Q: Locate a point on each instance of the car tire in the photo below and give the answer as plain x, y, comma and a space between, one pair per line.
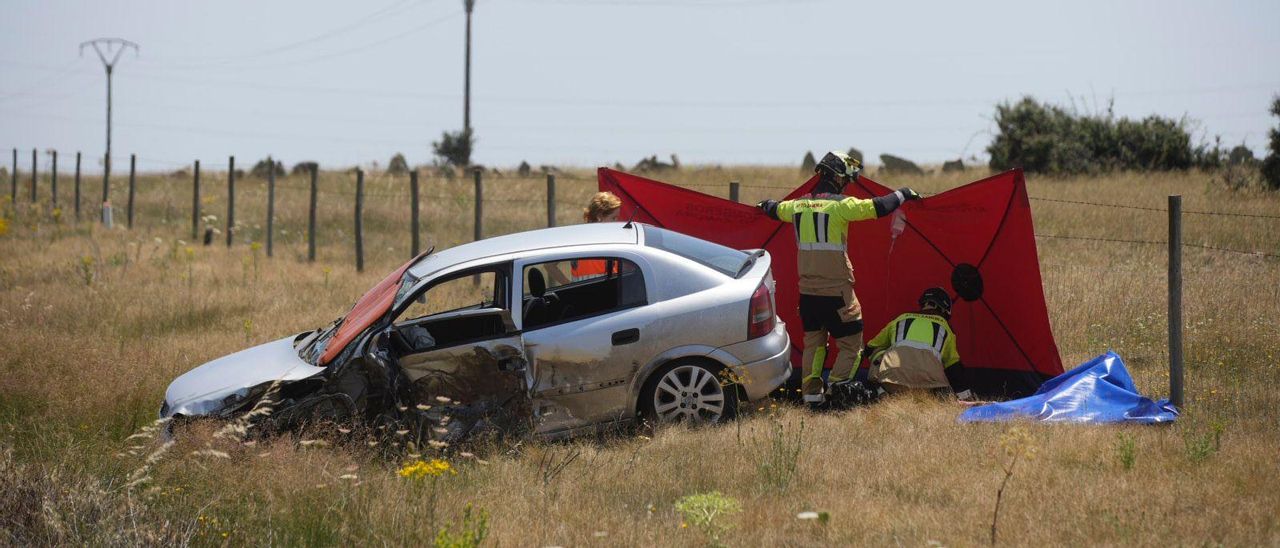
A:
689, 391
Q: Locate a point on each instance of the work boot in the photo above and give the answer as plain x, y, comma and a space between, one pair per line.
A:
813, 389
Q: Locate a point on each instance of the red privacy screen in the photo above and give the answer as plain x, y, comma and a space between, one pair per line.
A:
975, 241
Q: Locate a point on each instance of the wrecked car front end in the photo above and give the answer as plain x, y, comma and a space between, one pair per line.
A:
227, 384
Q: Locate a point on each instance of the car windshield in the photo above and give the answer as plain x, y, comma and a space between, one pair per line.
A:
726, 260
367, 310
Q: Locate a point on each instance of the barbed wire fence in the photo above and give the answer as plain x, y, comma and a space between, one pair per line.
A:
357, 193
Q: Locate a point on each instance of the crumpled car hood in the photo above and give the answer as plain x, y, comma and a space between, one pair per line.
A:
203, 390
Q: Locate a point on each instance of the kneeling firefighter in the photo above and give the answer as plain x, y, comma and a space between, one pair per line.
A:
828, 305
917, 350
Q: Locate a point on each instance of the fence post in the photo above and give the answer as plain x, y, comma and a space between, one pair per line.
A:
77, 185
106, 190
551, 200
231, 197
311, 218
413, 211
733, 191
133, 165
195, 203
479, 224
271, 201
359, 220
53, 181
33, 175
1175, 301
13, 190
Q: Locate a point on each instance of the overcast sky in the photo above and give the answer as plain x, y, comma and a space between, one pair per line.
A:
590, 82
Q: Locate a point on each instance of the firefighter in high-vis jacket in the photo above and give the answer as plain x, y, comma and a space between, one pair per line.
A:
827, 301
917, 350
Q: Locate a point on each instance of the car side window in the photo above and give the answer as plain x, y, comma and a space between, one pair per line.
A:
455, 294
567, 290
427, 323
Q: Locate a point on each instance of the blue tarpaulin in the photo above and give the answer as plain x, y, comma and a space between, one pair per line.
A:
1097, 391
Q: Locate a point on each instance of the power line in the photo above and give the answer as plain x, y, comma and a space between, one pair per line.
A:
395, 8
66, 69
1162, 210
1158, 242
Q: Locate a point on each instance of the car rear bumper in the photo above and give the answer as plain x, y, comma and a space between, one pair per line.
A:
760, 376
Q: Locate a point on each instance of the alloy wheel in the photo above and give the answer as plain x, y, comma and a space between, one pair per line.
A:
689, 393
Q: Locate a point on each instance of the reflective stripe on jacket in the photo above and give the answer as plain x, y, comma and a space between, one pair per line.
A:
821, 223
921, 331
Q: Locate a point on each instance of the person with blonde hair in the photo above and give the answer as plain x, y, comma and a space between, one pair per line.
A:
603, 208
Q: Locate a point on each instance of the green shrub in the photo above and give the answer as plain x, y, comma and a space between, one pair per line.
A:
1044, 138
454, 148
1271, 164
706, 511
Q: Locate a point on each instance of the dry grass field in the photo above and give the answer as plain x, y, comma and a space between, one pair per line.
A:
94, 323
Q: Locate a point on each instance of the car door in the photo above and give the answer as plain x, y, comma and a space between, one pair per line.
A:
470, 353
583, 335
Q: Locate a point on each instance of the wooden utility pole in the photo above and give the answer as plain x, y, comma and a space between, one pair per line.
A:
466, 94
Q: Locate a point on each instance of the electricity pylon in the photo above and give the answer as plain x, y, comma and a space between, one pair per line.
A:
114, 47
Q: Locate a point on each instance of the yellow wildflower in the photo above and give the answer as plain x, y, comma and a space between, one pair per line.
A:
420, 469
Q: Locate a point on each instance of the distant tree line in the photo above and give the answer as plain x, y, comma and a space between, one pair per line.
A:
1044, 138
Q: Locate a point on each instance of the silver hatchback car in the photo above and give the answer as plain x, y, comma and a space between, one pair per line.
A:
559, 331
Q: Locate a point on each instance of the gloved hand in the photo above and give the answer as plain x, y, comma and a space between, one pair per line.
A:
770, 208
908, 194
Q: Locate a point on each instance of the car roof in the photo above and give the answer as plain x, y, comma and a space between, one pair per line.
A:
532, 240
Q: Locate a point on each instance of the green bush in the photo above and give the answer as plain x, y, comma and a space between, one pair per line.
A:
1044, 138
1271, 164
454, 148
708, 512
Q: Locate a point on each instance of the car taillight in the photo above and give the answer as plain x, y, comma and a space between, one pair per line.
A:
760, 320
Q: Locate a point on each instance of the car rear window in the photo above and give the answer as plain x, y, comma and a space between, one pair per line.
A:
726, 260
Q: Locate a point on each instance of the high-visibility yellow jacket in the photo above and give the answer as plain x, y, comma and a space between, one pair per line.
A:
822, 227
917, 350
922, 331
